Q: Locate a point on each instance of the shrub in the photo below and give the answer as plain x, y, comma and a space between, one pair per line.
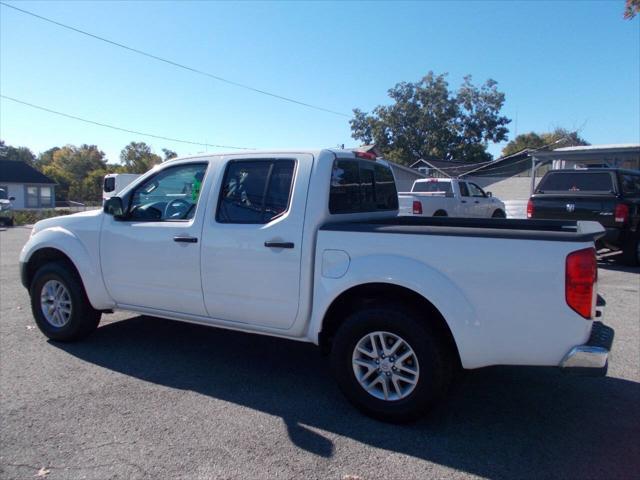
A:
27, 217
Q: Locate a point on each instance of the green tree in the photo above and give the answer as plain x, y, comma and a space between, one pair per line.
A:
560, 137
169, 154
46, 157
70, 167
137, 157
20, 154
631, 9
426, 119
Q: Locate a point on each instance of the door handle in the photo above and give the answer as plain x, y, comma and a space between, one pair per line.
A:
477, 201
279, 244
463, 201
185, 239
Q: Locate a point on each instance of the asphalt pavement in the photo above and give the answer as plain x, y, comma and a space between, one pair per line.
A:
150, 398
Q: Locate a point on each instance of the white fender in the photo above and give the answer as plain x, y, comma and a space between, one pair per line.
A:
405, 272
85, 262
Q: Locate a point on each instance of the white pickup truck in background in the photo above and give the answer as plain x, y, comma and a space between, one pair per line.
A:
449, 197
115, 182
308, 245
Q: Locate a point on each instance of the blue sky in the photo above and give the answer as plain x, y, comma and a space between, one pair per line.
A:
572, 64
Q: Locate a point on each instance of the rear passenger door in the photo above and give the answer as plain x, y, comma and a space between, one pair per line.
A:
252, 241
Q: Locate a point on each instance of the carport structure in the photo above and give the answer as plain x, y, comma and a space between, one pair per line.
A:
589, 156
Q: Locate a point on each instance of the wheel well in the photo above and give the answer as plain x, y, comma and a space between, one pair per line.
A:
376, 293
440, 213
46, 255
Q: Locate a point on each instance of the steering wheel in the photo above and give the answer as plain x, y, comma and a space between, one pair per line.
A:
176, 208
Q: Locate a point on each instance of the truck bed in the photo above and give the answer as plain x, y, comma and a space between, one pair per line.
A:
546, 230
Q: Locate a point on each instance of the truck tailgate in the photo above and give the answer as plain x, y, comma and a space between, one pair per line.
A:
598, 208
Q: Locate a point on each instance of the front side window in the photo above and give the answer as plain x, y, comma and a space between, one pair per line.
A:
475, 190
171, 194
255, 191
361, 186
32, 197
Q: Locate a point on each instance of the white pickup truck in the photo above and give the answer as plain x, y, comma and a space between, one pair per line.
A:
449, 197
309, 246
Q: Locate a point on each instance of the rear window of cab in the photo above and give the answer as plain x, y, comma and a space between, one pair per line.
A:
581, 181
361, 186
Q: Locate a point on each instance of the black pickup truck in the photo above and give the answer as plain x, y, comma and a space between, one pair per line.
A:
607, 195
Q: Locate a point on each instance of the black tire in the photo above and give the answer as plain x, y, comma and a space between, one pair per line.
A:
436, 366
84, 319
440, 213
499, 214
631, 251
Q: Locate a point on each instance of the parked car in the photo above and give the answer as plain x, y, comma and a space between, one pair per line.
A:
6, 209
449, 197
607, 195
309, 246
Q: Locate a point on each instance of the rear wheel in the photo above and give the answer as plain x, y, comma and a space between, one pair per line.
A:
440, 213
499, 214
389, 363
60, 305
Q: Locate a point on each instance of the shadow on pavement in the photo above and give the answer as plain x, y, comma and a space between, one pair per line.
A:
498, 422
616, 266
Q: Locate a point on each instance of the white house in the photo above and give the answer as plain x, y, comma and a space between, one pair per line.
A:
29, 187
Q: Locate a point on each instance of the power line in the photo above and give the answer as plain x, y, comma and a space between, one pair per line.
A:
106, 125
176, 64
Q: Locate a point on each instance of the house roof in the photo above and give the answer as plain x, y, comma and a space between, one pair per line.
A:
591, 148
15, 171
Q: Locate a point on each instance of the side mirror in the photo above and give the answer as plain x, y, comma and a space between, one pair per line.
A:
12, 199
489, 194
113, 206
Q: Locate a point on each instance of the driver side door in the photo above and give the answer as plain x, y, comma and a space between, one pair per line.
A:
151, 258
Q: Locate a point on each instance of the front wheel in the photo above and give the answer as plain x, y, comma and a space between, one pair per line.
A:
60, 305
499, 214
389, 363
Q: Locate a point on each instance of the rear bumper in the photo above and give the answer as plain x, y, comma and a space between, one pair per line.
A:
592, 357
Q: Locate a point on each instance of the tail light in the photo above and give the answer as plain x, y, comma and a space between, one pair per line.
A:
417, 207
366, 155
530, 209
621, 213
580, 281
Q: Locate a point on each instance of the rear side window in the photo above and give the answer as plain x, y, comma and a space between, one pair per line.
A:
255, 191
432, 186
109, 184
630, 184
576, 182
464, 190
361, 186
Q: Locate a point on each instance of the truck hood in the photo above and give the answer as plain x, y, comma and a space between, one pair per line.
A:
89, 220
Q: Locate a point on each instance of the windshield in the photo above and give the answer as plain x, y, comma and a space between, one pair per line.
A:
583, 181
433, 186
3, 194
